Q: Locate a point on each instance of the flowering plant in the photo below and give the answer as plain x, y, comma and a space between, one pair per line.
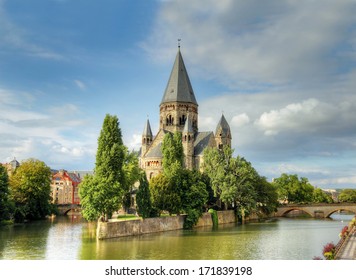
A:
328, 251
344, 232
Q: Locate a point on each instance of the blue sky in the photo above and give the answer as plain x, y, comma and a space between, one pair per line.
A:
283, 73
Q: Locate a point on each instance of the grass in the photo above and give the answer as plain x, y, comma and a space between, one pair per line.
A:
126, 217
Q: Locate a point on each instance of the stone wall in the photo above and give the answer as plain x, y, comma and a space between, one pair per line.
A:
151, 225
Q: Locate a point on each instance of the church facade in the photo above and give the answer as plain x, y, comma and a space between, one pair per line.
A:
179, 112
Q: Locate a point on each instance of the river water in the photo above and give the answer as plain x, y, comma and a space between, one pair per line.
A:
71, 238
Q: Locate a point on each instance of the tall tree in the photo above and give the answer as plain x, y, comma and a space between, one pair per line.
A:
30, 190
321, 197
4, 194
293, 189
173, 155
132, 173
143, 199
102, 193
237, 183
178, 190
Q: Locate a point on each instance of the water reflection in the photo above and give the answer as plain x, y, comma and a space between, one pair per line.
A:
72, 238
295, 239
26, 241
64, 238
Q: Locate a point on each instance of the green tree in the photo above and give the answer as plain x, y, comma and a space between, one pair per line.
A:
237, 183
294, 190
321, 197
232, 179
267, 196
178, 190
30, 190
194, 197
164, 196
102, 193
347, 195
4, 195
143, 199
132, 173
173, 155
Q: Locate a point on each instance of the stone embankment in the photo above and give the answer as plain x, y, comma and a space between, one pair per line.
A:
114, 229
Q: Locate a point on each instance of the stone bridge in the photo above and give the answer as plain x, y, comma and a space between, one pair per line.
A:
63, 209
316, 210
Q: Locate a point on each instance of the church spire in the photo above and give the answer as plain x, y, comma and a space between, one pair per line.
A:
179, 88
147, 132
223, 133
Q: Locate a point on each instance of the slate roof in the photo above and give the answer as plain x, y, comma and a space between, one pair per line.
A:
147, 130
179, 88
202, 140
155, 151
225, 128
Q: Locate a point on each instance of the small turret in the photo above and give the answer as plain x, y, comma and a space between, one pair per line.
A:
223, 133
146, 137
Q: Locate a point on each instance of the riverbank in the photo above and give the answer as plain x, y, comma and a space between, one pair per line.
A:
113, 229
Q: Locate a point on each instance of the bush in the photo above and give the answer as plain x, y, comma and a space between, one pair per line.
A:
344, 232
214, 217
329, 251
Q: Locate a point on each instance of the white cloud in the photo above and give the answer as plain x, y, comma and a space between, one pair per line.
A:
43, 132
240, 120
80, 84
291, 117
254, 44
348, 181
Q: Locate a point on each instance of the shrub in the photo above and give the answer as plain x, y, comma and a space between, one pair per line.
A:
214, 217
344, 232
328, 251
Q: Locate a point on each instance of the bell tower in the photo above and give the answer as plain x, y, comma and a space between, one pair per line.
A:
147, 137
178, 100
223, 133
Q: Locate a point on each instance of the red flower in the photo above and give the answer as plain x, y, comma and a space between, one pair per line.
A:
330, 247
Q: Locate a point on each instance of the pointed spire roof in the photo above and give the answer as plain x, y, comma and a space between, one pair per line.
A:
188, 127
147, 132
224, 127
179, 88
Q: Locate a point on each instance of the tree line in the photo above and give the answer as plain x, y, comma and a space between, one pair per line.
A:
227, 182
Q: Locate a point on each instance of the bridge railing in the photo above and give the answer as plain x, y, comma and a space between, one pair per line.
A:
343, 241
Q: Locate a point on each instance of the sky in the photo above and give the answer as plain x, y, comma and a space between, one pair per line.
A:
283, 73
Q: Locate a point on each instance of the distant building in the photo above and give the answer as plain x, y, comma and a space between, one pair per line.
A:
11, 166
333, 193
179, 112
65, 187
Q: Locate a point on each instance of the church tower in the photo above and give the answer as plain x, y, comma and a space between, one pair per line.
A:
223, 133
147, 137
179, 113
178, 100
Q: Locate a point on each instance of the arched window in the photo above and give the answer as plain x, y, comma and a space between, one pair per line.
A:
169, 120
182, 120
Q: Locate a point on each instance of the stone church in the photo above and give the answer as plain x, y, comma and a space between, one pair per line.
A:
179, 112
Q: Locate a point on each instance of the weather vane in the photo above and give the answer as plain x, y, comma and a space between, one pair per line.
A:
179, 42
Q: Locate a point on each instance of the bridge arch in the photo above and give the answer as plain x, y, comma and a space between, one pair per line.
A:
342, 208
288, 210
